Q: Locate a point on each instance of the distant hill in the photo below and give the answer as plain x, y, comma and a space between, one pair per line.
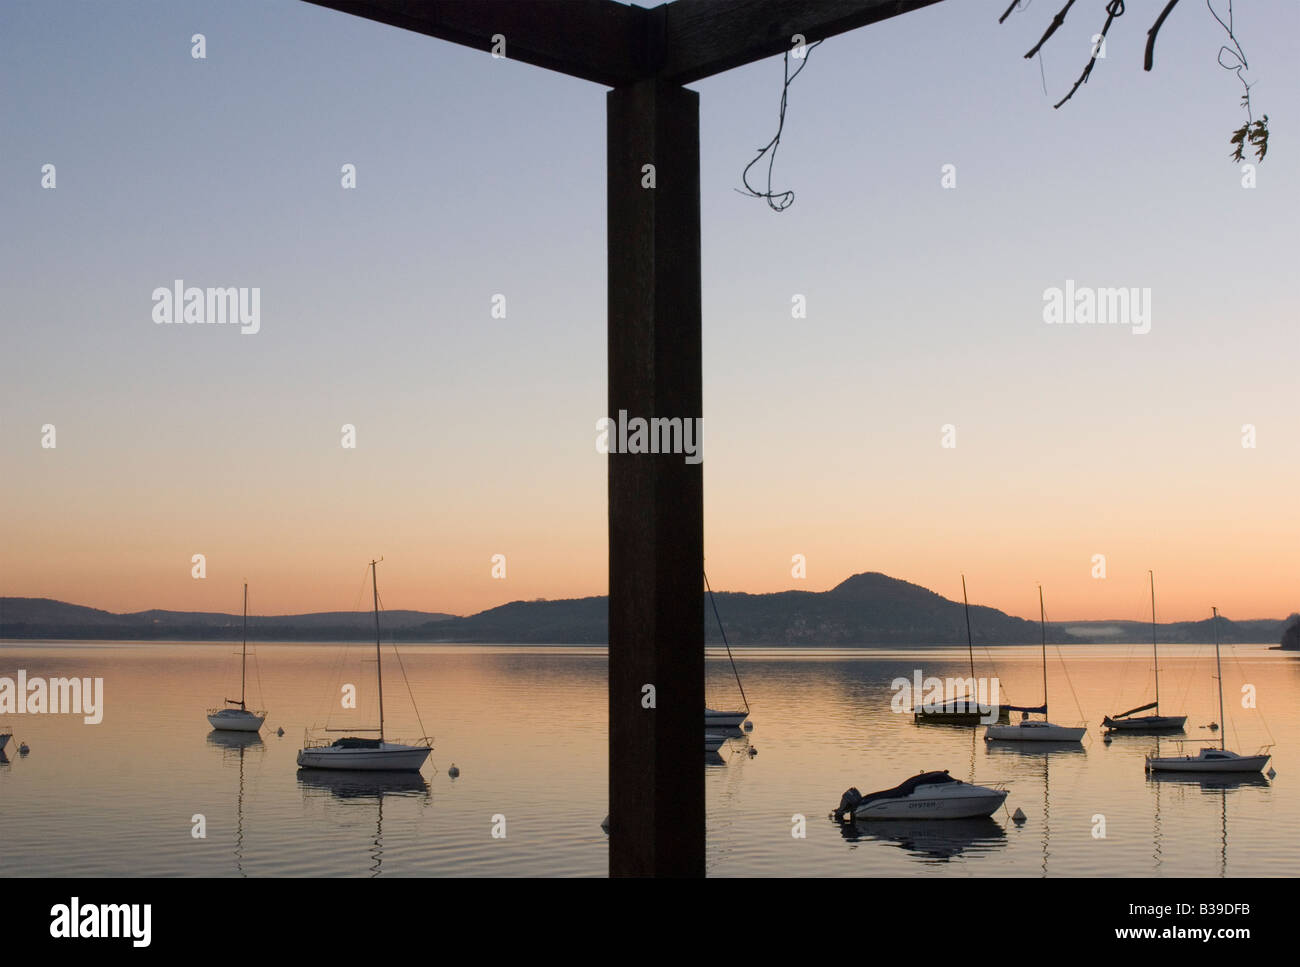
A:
866, 609
45, 618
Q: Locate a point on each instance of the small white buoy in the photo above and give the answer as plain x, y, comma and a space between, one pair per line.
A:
279, 731
1107, 739
1018, 817
1272, 773
749, 726
24, 749
453, 771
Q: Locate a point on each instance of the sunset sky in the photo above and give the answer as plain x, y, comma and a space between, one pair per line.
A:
476, 436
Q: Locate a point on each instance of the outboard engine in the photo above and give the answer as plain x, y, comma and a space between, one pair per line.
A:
848, 803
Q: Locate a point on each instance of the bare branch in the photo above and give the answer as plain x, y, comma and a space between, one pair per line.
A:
1151, 34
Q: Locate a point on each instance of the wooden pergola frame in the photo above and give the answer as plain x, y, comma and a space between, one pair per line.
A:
656, 501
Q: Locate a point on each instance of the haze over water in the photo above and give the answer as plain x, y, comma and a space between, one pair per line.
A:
527, 728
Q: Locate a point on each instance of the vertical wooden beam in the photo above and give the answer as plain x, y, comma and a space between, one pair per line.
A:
656, 501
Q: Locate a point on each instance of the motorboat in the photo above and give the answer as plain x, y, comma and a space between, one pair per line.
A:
928, 795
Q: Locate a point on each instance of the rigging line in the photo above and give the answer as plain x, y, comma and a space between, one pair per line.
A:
257, 671
1187, 684
778, 201
402, 666
1232, 650
734, 669
1061, 658
336, 673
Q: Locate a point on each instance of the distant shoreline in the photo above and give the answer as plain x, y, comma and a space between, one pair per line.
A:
604, 646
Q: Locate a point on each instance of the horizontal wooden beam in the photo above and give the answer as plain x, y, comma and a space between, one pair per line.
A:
706, 37
617, 44
596, 40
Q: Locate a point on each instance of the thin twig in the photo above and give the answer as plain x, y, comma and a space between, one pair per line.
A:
1113, 9
1056, 23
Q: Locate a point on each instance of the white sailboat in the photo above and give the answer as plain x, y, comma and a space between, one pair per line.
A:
724, 719
1128, 721
1032, 730
1211, 759
367, 754
235, 716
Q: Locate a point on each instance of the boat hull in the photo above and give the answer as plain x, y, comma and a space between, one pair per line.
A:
952, 715
724, 720
235, 720
1034, 732
974, 801
388, 757
713, 741
1146, 723
4, 740
1215, 761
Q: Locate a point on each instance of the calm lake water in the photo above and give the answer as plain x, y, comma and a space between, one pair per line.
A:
526, 727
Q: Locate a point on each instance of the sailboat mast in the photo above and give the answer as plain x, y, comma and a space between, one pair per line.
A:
1155, 657
1218, 666
970, 649
1042, 625
379, 666
243, 655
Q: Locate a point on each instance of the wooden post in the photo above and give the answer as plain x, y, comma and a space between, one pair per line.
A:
656, 501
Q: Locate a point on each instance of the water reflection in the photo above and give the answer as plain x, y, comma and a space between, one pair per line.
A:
354, 788
1214, 785
232, 745
932, 840
1033, 750
1210, 783
1045, 751
360, 785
